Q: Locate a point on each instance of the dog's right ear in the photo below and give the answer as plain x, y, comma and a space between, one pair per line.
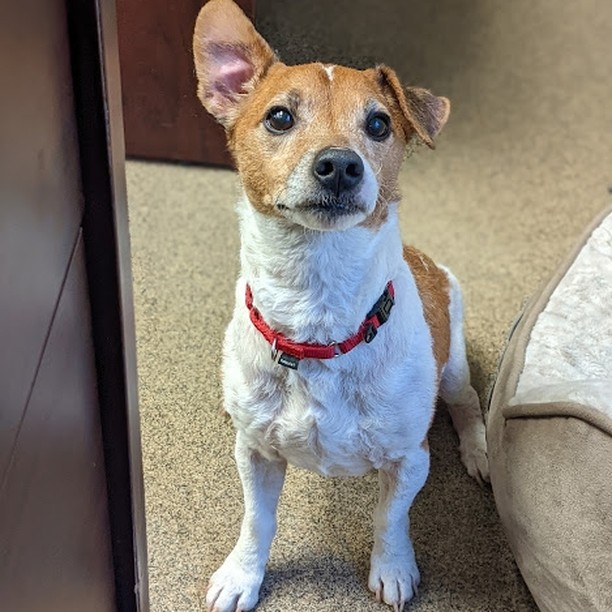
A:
230, 57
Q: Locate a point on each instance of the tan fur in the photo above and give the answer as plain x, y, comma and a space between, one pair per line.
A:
433, 286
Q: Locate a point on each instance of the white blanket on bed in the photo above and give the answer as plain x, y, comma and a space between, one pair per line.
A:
569, 354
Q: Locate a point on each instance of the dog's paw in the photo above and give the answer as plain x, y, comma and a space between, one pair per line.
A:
474, 456
394, 579
233, 588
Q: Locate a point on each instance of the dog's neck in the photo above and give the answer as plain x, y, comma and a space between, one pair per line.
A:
316, 286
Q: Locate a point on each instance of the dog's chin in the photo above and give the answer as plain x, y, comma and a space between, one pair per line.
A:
328, 214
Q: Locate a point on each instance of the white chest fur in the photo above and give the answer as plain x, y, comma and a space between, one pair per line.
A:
347, 415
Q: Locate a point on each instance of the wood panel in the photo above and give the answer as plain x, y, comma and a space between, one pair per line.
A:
55, 552
93, 28
162, 115
40, 197
69, 440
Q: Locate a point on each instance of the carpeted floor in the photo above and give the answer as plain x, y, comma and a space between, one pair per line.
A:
524, 163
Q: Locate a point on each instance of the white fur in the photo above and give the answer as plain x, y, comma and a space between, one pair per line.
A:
347, 415
368, 409
329, 70
459, 395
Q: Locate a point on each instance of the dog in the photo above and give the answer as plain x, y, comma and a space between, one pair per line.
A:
342, 338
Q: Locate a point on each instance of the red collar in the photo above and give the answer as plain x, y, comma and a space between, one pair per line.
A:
289, 353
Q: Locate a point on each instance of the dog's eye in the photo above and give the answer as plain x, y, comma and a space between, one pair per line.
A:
279, 120
378, 126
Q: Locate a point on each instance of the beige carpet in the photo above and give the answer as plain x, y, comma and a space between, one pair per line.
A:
524, 163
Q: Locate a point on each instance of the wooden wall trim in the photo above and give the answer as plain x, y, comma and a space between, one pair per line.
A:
164, 120
93, 40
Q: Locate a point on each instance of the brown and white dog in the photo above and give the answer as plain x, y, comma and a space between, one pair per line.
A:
342, 338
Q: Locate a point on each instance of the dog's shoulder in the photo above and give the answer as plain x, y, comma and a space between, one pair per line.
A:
434, 290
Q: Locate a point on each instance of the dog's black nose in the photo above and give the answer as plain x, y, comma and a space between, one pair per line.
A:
338, 169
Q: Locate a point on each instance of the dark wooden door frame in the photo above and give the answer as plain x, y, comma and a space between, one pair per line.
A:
96, 77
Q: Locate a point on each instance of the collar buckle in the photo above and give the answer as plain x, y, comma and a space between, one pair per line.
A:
382, 308
370, 333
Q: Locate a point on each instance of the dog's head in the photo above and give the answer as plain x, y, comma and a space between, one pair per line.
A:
319, 145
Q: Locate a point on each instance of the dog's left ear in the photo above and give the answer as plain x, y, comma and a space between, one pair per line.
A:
230, 58
423, 112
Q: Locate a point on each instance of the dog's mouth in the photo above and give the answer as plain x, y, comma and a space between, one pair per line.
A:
329, 207
326, 213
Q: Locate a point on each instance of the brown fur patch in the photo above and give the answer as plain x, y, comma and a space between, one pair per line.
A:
423, 113
433, 286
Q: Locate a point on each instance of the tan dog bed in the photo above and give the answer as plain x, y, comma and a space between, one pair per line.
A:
550, 433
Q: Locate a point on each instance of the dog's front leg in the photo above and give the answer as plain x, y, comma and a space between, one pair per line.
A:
394, 575
235, 585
